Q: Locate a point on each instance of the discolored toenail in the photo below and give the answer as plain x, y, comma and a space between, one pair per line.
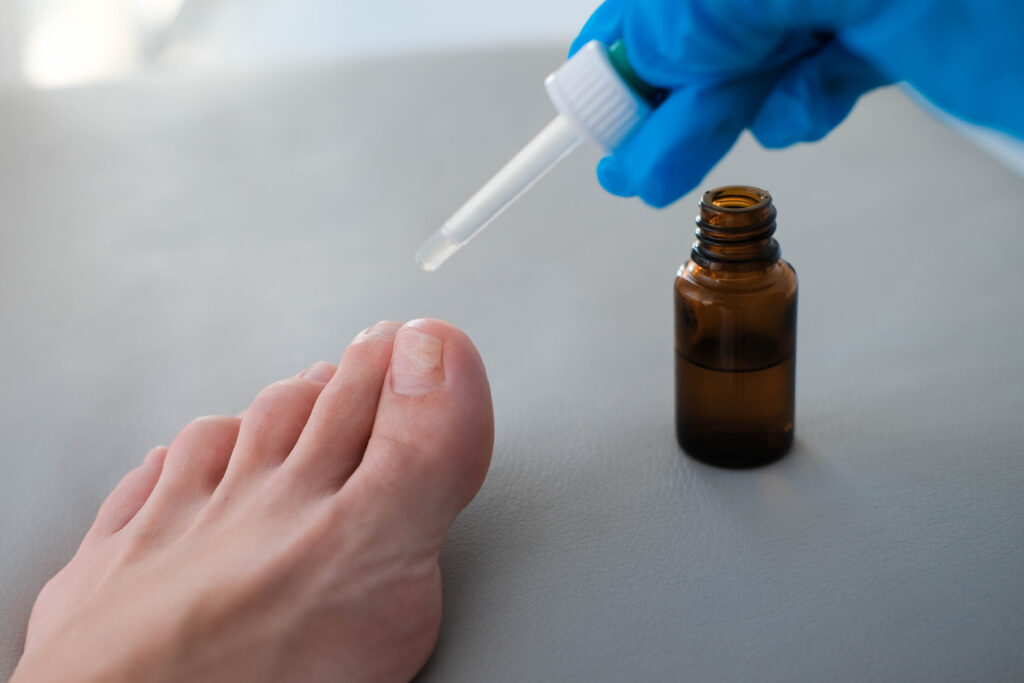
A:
416, 366
319, 372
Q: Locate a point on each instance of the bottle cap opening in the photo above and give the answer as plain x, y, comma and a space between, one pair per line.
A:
736, 198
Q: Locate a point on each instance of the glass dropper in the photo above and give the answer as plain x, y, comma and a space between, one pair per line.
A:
599, 97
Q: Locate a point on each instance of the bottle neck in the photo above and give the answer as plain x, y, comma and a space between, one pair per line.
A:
735, 230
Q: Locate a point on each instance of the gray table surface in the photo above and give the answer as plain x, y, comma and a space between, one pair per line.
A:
169, 246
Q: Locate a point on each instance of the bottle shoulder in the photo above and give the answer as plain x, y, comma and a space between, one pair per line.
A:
777, 279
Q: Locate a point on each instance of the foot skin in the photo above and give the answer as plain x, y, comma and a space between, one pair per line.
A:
296, 542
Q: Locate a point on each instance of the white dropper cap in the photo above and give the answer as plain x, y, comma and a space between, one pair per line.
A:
594, 102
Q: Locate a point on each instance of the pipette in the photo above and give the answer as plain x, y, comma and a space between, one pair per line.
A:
599, 98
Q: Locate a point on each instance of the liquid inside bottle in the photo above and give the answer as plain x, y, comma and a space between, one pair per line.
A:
735, 302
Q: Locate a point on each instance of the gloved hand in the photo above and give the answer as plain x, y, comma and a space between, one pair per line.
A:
791, 71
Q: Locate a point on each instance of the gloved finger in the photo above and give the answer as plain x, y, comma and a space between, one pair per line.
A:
672, 43
605, 25
813, 96
684, 137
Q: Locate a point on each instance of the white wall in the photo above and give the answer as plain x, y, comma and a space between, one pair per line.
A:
9, 46
256, 31
52, 43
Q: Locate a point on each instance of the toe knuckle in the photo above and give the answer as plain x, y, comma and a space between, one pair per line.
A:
413, 456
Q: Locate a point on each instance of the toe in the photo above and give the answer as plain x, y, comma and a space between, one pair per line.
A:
433, 433
271, 425
198, 456
319, 372
339, 427
129, 495
192, 469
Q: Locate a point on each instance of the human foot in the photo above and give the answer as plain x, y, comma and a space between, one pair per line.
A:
298, 542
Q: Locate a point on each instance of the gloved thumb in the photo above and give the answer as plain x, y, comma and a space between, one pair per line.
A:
605, 25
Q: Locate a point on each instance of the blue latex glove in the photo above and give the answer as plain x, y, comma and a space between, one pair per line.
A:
791, 70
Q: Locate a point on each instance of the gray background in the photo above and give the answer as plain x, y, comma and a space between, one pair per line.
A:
167, 247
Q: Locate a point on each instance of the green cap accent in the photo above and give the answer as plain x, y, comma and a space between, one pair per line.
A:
652, 94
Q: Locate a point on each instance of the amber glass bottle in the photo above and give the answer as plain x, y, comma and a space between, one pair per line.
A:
735, 303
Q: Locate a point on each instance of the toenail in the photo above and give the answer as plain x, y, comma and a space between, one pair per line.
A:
385, 328
320, 372
416, 363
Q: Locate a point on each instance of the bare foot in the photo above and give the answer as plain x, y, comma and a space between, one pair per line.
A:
298, 542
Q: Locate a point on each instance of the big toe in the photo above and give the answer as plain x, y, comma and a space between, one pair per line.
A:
433, 433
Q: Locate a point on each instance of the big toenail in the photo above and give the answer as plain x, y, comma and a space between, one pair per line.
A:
320, 372
385, 328
416, 363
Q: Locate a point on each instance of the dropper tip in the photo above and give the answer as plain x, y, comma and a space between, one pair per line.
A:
435, 251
